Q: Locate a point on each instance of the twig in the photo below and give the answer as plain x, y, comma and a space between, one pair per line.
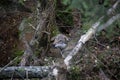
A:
26, 54
112, 9
46, 32
102, 75
32, 26
8, 64
108, 23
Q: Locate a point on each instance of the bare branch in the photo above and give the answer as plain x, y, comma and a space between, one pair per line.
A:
8, 64
108, 23
27, 53
112, 9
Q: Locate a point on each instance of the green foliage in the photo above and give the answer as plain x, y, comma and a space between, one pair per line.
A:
75, 74
21, 1
17, 61
90, 10
63, 14
65, 17
112, 31
86, 26
106, 3
18, 52
54, 31
118, 23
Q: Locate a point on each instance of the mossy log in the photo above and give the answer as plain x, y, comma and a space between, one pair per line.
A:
25, 72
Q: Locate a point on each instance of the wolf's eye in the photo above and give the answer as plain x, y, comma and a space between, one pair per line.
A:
61, 41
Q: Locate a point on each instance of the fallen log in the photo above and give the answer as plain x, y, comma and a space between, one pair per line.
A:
25, 72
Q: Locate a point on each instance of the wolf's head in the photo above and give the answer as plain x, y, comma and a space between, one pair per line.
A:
60, 41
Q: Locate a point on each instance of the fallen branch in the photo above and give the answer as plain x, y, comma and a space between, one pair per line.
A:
41, 23
82, 41
112, 9
24, 72
108, 23
84, 38
28, 53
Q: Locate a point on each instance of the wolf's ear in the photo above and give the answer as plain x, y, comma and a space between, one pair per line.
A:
67, 39
53, 38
